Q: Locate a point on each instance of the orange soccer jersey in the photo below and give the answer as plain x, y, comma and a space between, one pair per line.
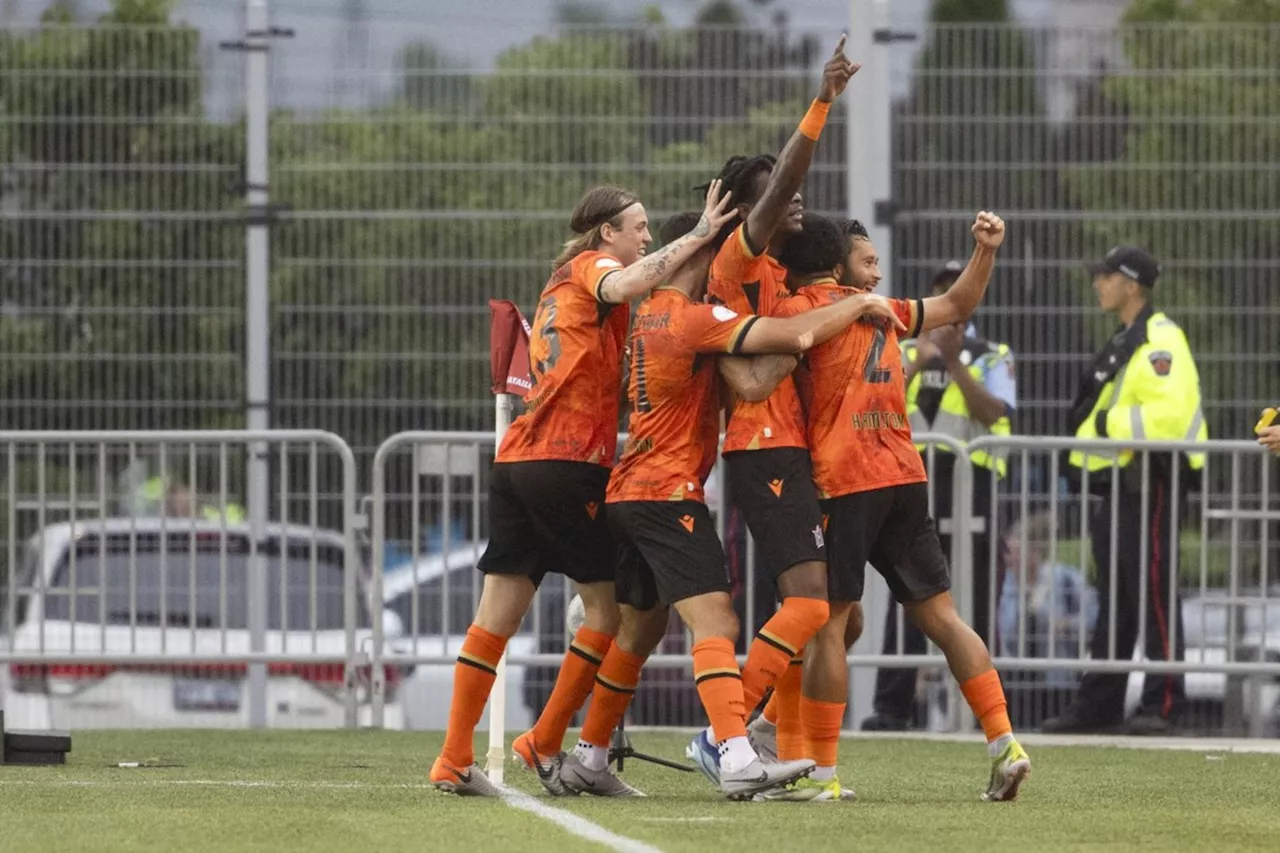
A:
575, 355
754, 283
674, 425
859, 437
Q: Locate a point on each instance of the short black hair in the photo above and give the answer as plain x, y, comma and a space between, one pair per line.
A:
819, 247
853, 229
677, 225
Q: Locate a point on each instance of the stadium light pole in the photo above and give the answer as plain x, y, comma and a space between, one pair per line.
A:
257, 337
869, 185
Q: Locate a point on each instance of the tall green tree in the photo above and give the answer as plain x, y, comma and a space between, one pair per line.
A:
122, 282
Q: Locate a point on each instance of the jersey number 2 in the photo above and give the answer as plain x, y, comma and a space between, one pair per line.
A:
871, 370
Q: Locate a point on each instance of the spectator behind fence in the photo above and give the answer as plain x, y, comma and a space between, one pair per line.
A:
1055, 594
1143, 385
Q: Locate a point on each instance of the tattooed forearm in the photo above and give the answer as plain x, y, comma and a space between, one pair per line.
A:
643, 276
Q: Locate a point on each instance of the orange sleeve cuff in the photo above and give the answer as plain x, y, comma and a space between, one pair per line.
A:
814, 120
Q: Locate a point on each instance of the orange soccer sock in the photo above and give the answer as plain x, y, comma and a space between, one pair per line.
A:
986, 698
777, 643
473, 677
715, 672
615, 686
822, 721
573, 685
786, 696
770, 711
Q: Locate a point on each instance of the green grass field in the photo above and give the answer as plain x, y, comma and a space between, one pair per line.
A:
365, 791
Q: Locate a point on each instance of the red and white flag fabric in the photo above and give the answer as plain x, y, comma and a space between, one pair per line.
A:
508, 349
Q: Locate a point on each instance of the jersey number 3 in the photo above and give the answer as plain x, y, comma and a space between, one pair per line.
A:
871, 370
546, 350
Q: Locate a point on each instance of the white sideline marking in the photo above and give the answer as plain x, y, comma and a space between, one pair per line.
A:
574, 824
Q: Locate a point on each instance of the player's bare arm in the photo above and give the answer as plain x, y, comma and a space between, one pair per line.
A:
796, 156
963, 298
754, 378
641, 277
803, 331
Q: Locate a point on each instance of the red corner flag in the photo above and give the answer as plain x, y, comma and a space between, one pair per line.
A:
508, 349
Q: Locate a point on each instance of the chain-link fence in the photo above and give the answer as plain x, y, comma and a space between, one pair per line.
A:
419, 176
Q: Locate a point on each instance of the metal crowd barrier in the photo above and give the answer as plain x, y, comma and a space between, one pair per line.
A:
217, 578
432, 488
163, 579
1218, 547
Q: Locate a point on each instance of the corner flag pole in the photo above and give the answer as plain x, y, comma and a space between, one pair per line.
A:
509, 376
498, 697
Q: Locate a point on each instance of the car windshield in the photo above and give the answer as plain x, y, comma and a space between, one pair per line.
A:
203, 583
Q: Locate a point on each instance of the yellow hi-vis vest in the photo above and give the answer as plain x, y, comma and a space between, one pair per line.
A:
152, 496
953, 412
1155, 396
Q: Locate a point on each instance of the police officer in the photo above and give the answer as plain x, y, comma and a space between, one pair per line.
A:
963, 386
1143, 385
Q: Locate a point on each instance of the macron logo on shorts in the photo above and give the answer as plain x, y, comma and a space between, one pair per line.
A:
592, 509
775, 486
686, 521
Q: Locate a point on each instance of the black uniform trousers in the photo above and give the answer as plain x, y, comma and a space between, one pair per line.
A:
896, 688
1100, 698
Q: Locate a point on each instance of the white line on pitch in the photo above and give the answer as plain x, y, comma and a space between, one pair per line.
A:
574, 824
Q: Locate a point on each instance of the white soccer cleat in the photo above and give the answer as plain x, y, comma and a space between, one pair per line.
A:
758, 777
580, 779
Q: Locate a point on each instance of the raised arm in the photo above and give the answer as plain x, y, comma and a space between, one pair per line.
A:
753, 378
794, 159
799, 333
638, 279
963, 297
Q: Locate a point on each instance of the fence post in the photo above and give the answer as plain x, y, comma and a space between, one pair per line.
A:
257, 336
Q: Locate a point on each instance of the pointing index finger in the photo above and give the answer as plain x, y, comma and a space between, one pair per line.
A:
840, 47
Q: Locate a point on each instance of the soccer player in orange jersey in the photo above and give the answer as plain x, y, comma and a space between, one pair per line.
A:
874, 491
671, 554
765, 449
546, 494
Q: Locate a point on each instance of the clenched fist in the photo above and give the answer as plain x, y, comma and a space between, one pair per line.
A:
988, 230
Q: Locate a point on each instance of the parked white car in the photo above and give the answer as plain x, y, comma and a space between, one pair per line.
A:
426, 693
177, 587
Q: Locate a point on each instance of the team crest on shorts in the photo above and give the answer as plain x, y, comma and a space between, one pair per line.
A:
818, 539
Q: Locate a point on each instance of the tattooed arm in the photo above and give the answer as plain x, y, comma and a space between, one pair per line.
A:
644, 275
753, 378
